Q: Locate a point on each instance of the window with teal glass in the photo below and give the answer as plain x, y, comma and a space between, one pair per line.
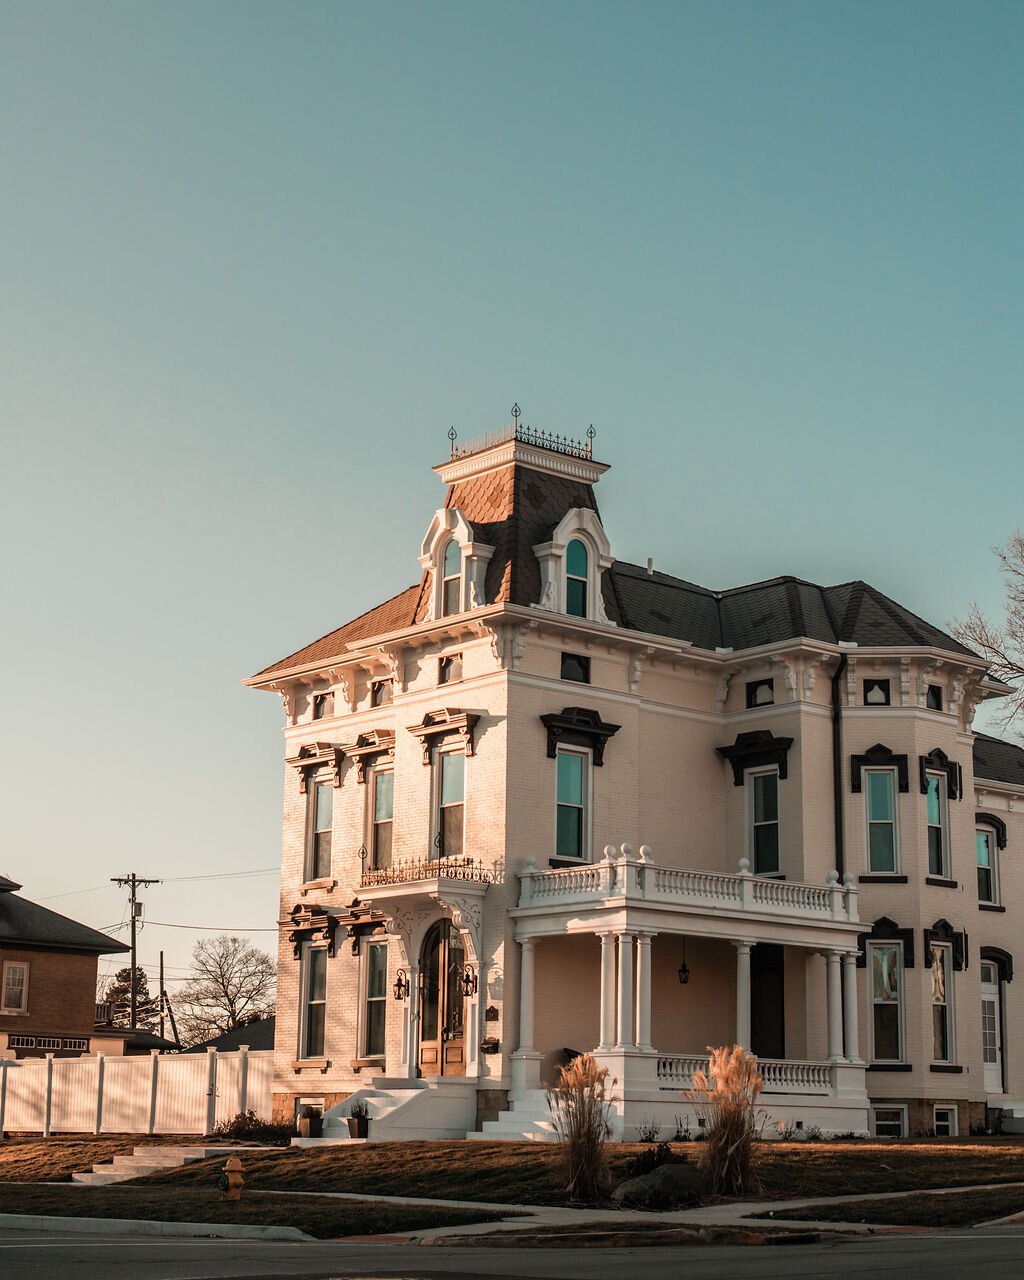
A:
571, 807
452, 804
938, 862
451, 578
764, 822
882, 849
985, 843
577, 572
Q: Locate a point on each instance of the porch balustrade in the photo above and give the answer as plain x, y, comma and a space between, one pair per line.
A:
779, 1075
412, 871
637, 878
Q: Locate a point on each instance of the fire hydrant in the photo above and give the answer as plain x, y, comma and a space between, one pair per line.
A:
231, 1181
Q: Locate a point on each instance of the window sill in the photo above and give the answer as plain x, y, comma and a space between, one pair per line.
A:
14, 1013
946, 1068
990, 906
889, 1066
357, 1064
882, 877
317, 886
311, 1064
941, 882
568, 862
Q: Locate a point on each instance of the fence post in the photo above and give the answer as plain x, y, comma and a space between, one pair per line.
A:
4, 1065
211, 1099
99, 1092
154, 1085
49, 1095
243, 1078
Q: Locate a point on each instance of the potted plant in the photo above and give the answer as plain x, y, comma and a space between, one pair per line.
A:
358, 1120
311, 1122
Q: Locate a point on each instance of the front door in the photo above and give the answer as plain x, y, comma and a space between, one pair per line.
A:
767, 1001
442, 1035
991, 1029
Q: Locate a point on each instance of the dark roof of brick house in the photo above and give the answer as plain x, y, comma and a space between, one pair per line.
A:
29, 924
257, 1035
998, 760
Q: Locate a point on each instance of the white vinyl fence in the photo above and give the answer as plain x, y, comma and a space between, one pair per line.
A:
162, 1093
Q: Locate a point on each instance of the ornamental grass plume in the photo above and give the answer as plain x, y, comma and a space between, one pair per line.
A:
724, 1098
580, 1106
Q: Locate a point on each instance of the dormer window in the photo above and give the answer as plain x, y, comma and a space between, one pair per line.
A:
451, 579
577, 564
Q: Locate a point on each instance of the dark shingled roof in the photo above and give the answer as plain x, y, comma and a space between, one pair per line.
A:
769, 613
998, 760
26, 922
257, 1035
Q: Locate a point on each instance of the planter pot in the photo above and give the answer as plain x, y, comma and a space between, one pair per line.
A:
311, 1126
358, 1126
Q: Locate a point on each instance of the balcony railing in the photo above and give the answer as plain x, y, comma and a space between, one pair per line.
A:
637, 878
779, 1075
409, 872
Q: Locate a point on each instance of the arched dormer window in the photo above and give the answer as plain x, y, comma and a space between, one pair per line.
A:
577, 574
451, 579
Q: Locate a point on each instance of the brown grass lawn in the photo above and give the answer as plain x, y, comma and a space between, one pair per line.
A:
956, 1209
531, 1173
317, 1215
34, 1159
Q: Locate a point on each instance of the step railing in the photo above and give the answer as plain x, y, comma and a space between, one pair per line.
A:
780, 1075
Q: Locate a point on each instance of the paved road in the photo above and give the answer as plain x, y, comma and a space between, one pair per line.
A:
33, 1256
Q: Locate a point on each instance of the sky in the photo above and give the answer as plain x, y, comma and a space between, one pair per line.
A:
258, 258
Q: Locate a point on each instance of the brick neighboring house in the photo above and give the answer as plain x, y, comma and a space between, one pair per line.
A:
48, 981
545, 799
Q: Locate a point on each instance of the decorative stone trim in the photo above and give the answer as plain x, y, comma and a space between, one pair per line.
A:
359, 922
754, 750
886, 930
310, 923
879, 757
369, 747
314, 756
1001, 959
449, 722
937, 761
578, 727
997, 825
943, 931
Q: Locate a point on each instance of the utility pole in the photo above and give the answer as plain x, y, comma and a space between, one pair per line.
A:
135, 909
161, 995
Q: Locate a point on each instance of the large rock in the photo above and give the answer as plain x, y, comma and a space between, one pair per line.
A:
669, 1186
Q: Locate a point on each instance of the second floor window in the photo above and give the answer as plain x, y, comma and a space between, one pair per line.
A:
577, 574
938, 844
764, 822
383, 815
885, 965
942, 1004
321, 822
985, 842
314, 1003
451, 804
881, 812
572, 785
14, 994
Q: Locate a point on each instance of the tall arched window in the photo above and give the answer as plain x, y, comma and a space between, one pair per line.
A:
576, 578
451, 578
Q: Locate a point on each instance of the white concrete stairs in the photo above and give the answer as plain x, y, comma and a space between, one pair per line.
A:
528, 1119
1013, 1116
405, 1110
145, 1160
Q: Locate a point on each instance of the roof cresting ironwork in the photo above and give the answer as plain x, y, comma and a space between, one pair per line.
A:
573, 448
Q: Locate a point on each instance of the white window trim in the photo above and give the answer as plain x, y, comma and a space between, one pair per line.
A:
586, 843
950, 1006
582, 525
748, 786
993, 845
954, 1110
305, 964
866, 788
21, 1009
901, 1107
901, 1003
435, 852
449, 524
364, 985
943, 792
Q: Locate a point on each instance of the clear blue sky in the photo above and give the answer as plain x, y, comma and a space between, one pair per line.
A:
256, 258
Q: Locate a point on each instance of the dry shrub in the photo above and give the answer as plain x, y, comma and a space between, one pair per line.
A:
580, 1105
725, 1098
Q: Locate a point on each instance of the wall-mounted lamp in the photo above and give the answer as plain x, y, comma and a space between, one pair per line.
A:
684, 968
469, 982
402, 985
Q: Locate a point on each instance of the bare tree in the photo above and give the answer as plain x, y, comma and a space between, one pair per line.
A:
1002, 645
232, 984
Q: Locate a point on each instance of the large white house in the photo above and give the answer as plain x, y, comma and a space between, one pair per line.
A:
545, 801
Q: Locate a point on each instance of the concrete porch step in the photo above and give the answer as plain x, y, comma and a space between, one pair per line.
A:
147, 1160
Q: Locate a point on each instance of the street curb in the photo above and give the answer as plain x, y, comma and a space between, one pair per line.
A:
146, 1227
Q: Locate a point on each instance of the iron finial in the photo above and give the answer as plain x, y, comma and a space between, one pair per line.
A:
453, 435
516, 411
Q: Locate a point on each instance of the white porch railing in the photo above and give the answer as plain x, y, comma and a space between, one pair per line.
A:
634, 876
779, 1075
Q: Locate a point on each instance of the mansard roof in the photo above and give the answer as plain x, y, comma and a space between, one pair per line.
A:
997, 760
31, 925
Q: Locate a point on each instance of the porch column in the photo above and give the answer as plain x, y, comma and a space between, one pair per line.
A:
835, 1006
850, 1007
643, 991
411, 1020
607, 1036
626, 1023
743, 993
526, 996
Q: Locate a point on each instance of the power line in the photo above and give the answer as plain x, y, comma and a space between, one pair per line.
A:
224, 875
212, 928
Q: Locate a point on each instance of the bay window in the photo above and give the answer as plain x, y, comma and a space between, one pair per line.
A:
942, 1003
938, 838
885, 964
985, 844
883, 849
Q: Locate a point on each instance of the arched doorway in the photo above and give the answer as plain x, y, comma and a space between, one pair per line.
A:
442, 1003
